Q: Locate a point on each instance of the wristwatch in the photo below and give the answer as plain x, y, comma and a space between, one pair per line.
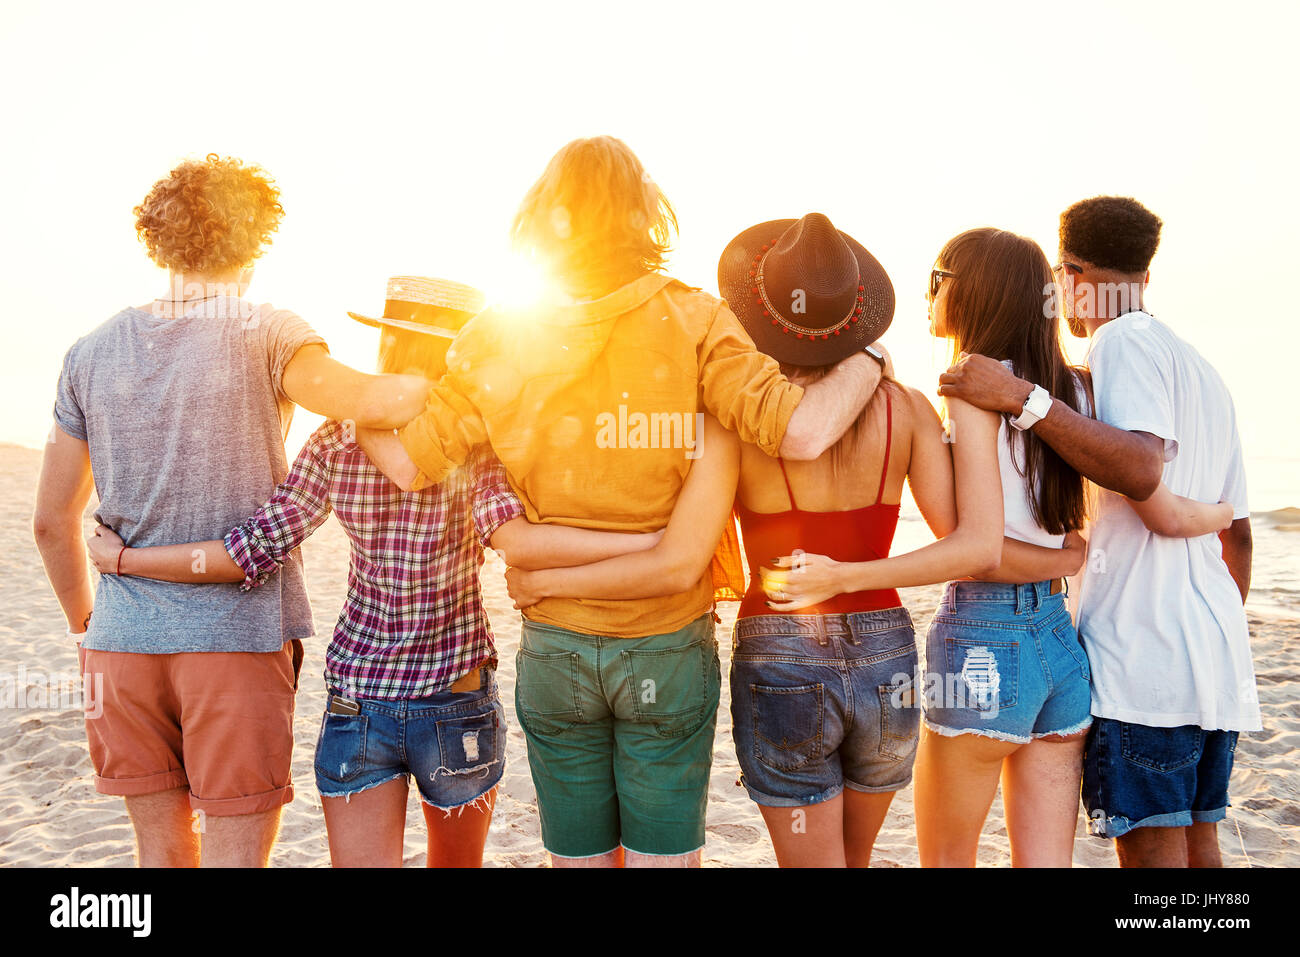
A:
1037, 405
878, 356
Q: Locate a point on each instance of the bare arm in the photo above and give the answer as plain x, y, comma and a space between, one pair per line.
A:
62, 494
194, 562
1238, 547
525, 545
386, 453
1023, 563
320, 383
971, 549
1175, 516
829, 406
1130, 463
674, 564
262, 543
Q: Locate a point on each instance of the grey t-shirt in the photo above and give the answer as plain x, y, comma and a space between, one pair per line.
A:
185, 420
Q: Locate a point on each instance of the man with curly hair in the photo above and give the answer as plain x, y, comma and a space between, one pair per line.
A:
175, 411
1161, 617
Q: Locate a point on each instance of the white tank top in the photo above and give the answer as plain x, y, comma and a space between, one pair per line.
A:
1017, 513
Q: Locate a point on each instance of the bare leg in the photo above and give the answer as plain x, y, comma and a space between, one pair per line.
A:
1203, 845
1040, 792
864, 813
1153, 847
242, 840
956, 779
366, 829
166, 834
633, 859
456, 837
613, 858
809, 836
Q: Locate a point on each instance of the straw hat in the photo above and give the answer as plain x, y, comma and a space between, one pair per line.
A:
435, 307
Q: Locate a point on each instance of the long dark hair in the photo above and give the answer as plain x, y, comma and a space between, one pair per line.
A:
1001, 304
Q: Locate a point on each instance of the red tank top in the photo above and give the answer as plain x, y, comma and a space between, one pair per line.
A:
856, 535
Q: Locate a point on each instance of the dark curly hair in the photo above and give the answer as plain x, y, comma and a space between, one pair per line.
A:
1111, 232
209, 215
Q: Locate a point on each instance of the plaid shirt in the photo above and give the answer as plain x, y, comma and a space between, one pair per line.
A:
413, 621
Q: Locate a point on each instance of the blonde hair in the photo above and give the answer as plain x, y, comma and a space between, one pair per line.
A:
209, 215
402, 352
596, 216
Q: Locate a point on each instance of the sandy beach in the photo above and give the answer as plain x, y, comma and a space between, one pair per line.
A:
51, 816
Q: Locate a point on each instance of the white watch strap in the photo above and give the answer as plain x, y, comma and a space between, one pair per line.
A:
1037, 405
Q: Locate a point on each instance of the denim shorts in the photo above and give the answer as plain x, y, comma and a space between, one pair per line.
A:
1138, 776
824, 702
1005, 662
453, 742
620, 736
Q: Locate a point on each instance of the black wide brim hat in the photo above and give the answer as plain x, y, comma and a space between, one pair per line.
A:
807, 294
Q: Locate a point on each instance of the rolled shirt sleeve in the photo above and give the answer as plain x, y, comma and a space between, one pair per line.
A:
299, 505
492, 500
442, 436
742, 387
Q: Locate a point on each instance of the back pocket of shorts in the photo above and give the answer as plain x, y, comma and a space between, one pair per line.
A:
672, 687
469, 744
985, 674
788, 724
1161, 749
900, 719
341, 748
546, 691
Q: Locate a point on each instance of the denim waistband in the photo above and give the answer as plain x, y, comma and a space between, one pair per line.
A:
439, 700
1023, 597
858, 624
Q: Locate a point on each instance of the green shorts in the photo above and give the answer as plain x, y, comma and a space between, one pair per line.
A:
620, 736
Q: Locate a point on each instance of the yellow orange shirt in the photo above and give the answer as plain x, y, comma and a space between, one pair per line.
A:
592, 410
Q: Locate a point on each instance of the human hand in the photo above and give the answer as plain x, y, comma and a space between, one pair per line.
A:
522, 586
104, 546
797, 581
986, 384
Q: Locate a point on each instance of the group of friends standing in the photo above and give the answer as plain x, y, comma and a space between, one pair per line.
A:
606, 443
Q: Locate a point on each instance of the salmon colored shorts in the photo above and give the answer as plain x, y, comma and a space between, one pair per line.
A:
218, 723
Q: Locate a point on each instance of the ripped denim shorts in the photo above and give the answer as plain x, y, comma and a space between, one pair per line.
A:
453, 742
1004, 661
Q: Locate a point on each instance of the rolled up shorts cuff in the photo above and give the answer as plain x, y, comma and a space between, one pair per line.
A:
144, 784
879, 788
246, 804
1118, 826
771, 800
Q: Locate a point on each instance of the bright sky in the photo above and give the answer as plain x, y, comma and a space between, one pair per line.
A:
404, 134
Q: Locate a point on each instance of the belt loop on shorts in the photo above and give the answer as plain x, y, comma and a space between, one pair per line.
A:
819, 623
950, 597
1022, 600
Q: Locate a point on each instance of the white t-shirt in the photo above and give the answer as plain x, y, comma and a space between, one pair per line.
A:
1162, 618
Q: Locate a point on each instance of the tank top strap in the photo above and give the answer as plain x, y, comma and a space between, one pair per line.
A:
788, 490
889, 436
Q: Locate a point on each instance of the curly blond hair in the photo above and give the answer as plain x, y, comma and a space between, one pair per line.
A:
209, 216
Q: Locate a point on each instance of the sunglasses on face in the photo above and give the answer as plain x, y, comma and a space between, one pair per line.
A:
936, 277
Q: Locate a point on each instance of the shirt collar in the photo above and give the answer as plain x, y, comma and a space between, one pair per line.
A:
621, 300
